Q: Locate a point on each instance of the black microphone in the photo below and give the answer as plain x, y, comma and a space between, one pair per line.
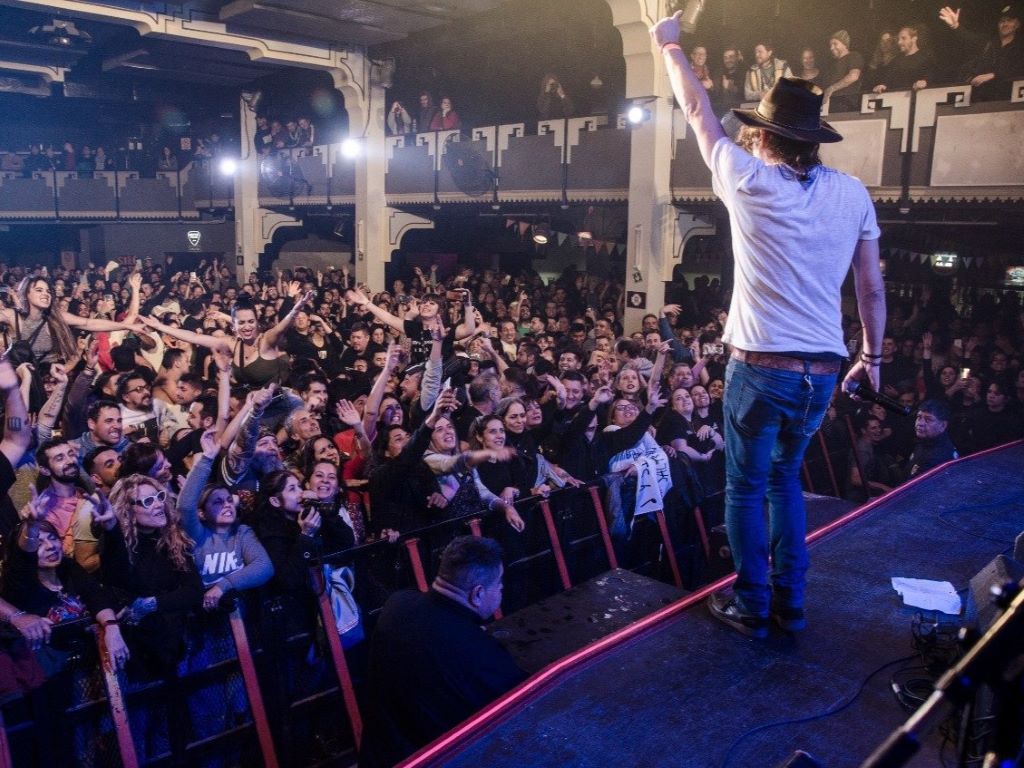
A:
864, 392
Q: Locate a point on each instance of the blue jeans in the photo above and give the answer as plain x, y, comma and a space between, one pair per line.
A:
770, 417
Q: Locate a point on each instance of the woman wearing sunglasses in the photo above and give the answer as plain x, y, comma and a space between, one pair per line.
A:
147, 556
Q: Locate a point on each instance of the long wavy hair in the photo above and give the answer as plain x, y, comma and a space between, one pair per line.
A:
173, 541
60, 332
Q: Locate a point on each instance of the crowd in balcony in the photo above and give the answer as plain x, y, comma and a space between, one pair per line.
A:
198, 438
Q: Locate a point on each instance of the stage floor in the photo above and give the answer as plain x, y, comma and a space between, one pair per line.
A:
687, 691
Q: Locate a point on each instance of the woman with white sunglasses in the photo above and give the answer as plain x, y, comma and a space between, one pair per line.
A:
147, 556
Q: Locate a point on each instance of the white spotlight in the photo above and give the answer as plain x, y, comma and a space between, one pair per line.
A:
228, 166
637, 115
351, 149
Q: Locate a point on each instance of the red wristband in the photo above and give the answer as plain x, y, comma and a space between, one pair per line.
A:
670, 47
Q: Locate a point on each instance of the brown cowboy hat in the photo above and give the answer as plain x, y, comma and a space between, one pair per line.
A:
792, 108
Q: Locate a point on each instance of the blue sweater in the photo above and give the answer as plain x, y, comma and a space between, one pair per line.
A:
233, 560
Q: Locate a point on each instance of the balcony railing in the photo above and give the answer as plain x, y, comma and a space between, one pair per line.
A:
930, 145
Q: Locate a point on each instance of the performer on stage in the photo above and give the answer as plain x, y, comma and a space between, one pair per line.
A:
797, 226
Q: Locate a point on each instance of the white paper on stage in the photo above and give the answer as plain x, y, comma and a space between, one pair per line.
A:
927, 594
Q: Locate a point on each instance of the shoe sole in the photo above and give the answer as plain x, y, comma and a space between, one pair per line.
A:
759, 633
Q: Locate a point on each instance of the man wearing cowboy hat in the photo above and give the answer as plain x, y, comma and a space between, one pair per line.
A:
797, 227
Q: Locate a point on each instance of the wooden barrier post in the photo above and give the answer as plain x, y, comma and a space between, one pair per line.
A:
828, 463
252, 687
413, 548
556, 546
669, 552
118, 711
602, 525
348, 689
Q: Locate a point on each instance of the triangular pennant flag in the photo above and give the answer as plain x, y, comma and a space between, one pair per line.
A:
968, 260
561, 237
509, 223
523, 226
621, 248
609, 246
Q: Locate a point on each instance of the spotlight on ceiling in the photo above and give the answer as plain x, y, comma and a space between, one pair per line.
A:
228, 166
351, 149
542, 233
637, 115
62, 33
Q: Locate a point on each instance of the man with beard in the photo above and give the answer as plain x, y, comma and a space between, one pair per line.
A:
105, 429
255, 452
358, 345
60, 487
140, 414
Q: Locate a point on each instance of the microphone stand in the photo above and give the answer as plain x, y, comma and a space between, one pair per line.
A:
995, 660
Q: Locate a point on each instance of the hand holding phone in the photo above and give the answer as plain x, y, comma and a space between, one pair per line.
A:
309, 521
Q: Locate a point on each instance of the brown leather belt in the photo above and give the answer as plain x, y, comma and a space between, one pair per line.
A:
785, 363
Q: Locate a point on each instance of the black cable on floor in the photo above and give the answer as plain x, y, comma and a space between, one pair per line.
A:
820, 716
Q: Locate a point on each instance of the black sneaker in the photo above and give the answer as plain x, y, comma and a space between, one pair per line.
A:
790, 619
723, 606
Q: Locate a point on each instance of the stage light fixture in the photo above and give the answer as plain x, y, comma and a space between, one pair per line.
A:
637, 115
351, 149
228, 166
542, 233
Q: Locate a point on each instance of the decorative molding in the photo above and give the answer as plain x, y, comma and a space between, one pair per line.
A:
402, 222
506, 132
432, 140
688, 226
487, 134
927, 103
1017, 92
270, 222
391, 143
48, 74
898, 102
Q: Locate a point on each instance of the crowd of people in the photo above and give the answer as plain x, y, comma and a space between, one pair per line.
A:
900, 59
197, 437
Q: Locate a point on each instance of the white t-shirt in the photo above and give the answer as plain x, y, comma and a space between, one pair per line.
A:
793, 245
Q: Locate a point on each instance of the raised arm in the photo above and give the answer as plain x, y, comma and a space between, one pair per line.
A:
371, 411
95, 323
135, 282
51, 408
467, 327
273, 336
430, 384
349, 416
222, 360
691, 95
195, 481
200, 339
360, 299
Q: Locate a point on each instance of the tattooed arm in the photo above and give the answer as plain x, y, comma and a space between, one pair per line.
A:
17, 433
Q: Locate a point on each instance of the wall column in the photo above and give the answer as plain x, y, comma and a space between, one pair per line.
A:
651, 214
254, 226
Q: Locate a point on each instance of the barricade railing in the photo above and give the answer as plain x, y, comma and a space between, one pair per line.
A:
535, 510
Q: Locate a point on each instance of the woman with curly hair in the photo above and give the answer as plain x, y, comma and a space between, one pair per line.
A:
148, 557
